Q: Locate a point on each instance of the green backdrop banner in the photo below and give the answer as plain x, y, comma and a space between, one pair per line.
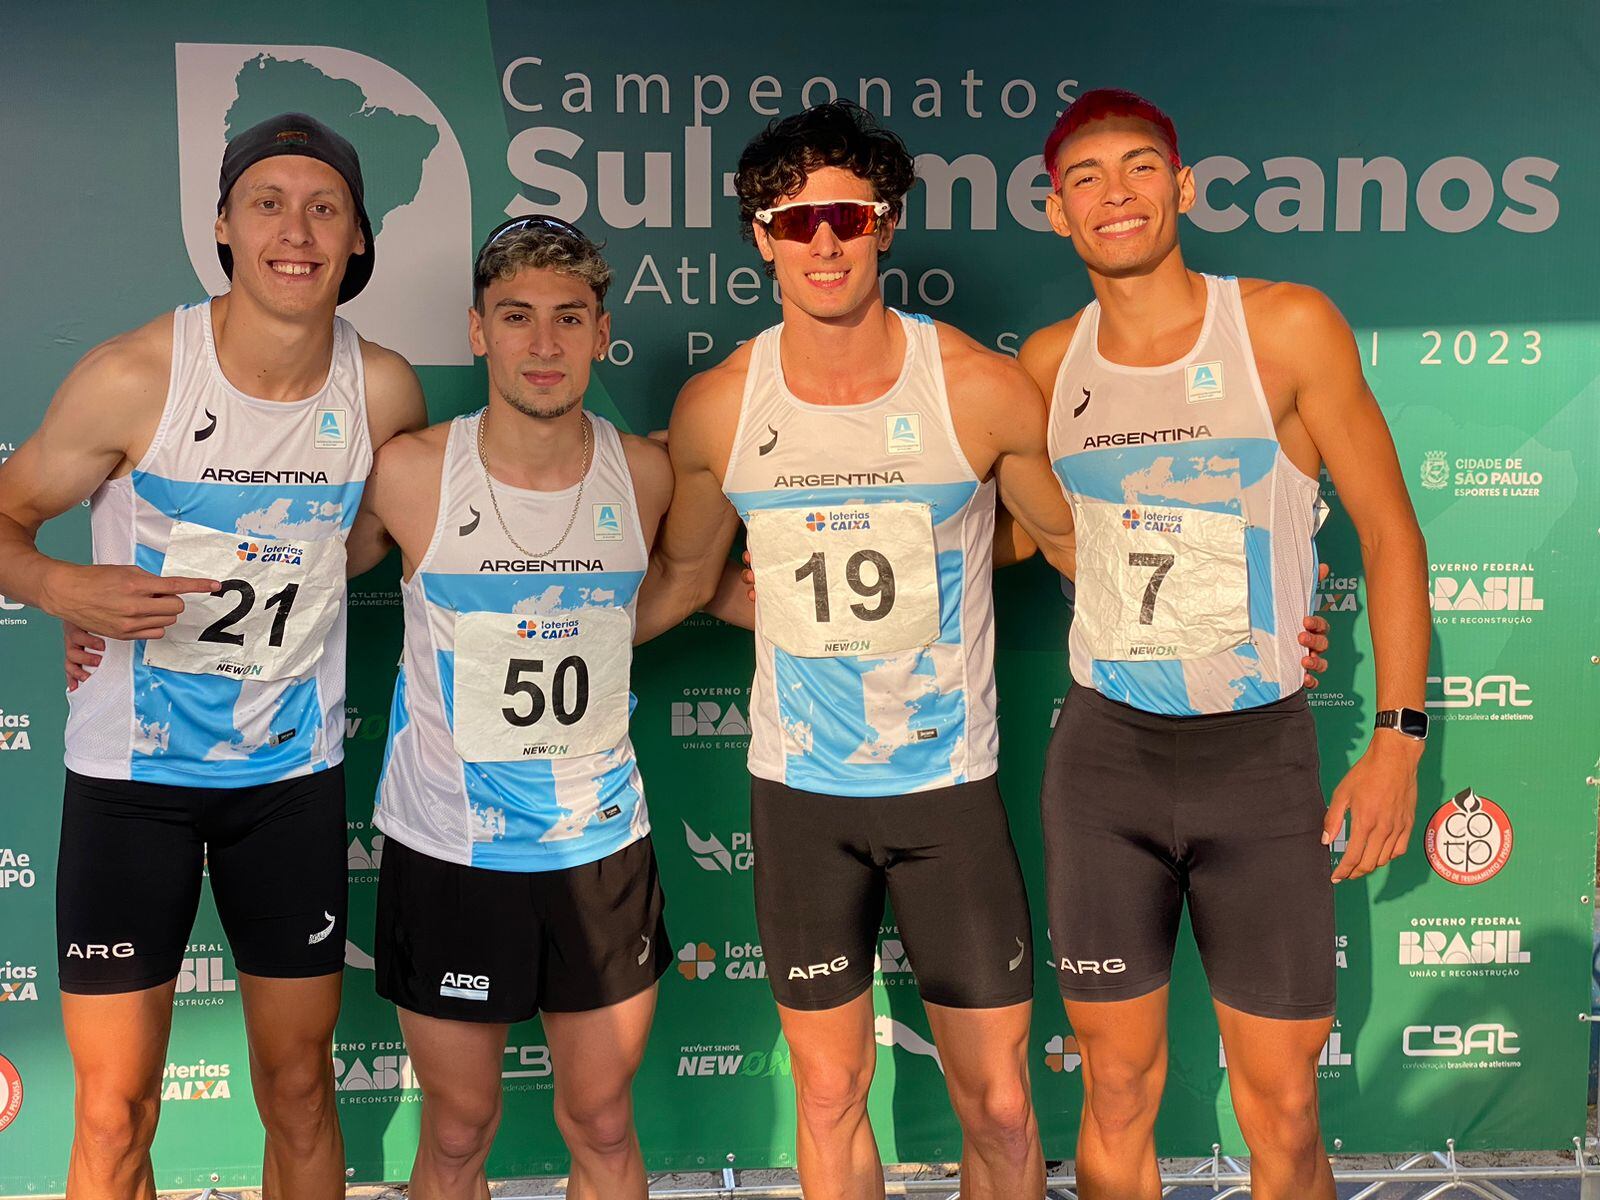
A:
1431, 166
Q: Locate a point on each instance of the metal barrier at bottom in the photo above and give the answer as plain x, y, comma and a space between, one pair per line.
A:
1222, 1175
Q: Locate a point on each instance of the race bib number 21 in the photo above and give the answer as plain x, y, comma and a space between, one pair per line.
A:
279, 598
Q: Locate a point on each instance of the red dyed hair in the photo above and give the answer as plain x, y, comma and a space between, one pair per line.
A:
1106, 102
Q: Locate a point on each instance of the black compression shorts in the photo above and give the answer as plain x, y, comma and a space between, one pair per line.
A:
469, 944
132, 856
1144, 811
945, 859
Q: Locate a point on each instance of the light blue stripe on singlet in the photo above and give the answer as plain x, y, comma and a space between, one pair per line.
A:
514, 805
1251, 691
201, 739
945, 499
1258, 565
224, 505
1114, 474
399, 718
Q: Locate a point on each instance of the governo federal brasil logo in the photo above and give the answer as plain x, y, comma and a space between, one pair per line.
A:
418, 194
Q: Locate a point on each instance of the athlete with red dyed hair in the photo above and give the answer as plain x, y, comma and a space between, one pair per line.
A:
1189, 417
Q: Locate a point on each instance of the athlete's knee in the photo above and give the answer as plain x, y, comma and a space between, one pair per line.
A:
1122, 1096
459, 1130
112, 1126
599, 1126
1000, 1119
1280, 1118
295, 1094
830, 1094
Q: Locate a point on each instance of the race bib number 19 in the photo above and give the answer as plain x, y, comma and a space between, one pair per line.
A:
541, 687
1160, 583
844, 581
278, 600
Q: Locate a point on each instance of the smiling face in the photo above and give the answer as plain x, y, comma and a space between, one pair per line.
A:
292, 226
1120, 196
541, 331
827, 278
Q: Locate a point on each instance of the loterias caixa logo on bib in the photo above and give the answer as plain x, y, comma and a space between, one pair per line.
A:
1468, 840
418, 194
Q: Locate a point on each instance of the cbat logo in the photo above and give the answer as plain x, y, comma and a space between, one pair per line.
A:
10, 1091
696, 960
1488, 1044
1130, 518
1202, 382
607, 522
18, 982
1463, 697
1435, 470
418, 193
1468, 840
816, 522
713, 856
330, 429
903, 433
528, 1062
1061, 1054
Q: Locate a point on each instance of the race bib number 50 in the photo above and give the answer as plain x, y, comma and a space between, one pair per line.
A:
279, 598
1160, 583
837, 581
541, 687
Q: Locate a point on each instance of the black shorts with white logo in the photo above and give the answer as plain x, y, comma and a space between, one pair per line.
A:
470, 944
132, 857
1144, 811
944, 857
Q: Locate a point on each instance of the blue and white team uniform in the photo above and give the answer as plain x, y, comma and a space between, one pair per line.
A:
873, 744
1184, 765
222, 739
517, 853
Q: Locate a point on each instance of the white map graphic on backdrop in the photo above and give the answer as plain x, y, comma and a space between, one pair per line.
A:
417, 299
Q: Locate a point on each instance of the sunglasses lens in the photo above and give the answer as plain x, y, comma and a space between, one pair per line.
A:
846, 219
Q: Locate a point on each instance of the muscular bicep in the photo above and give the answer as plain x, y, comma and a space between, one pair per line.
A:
395, 402
1343, 419
111, 401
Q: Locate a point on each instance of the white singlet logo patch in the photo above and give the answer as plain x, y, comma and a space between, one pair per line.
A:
1203, 381
902, 433
330, 428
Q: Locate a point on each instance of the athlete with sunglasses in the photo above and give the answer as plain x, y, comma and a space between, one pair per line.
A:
863, 448
1189, 416
518, 875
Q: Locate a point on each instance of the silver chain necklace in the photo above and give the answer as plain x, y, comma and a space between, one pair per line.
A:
577, 501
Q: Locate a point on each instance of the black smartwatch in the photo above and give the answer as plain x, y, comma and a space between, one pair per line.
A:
1409, 722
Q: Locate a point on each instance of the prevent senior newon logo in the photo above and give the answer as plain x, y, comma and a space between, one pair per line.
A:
418, 194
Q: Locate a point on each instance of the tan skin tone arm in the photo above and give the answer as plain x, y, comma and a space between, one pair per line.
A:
99, 423
1342, 419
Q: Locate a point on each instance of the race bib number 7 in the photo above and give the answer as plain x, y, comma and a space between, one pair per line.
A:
1160, 583
541, 687
843, 581
279, 598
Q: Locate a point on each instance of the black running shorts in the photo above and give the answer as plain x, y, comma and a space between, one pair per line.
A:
1143, 811
945, 859
132, 857
470, 944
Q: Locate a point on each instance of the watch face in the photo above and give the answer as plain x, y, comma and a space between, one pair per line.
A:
1413, 723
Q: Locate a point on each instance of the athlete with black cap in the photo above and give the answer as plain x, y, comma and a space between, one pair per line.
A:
223, 450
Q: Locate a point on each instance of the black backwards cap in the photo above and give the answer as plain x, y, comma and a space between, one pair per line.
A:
297, 133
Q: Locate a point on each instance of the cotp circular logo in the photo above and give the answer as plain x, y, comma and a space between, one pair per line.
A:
1469, 838
10, 1092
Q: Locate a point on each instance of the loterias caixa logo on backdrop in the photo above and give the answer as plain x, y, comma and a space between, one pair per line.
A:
418, 194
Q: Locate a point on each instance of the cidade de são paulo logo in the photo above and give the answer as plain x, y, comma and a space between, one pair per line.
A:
1468, 840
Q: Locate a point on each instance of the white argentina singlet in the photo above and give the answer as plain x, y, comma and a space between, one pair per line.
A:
508, 735
1197, 556
871, 540
248, 687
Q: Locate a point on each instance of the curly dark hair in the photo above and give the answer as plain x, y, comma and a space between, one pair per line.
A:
838, 134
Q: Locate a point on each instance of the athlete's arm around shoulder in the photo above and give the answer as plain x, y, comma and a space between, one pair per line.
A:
691, 550
395, 405
400, 505
100, 423
650, 466
1300, 336
999, 416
